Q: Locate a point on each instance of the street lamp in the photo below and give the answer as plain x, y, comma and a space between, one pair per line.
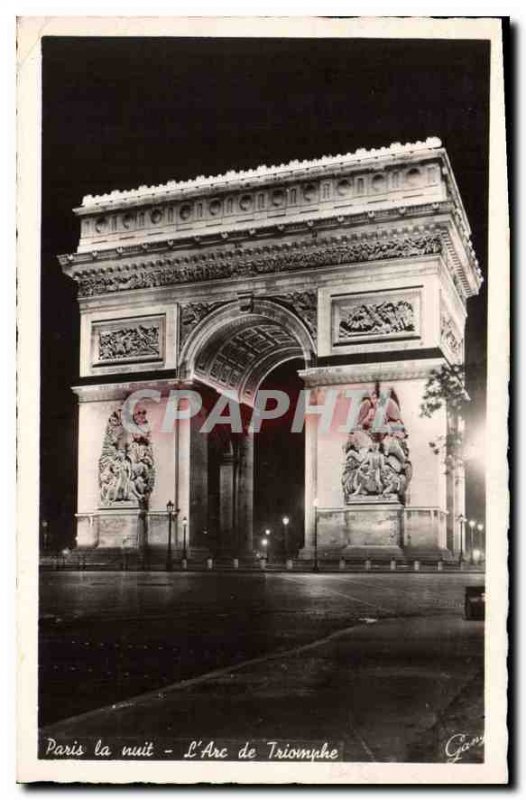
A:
471, 524
315, 504
285, 521
185, 522
169, 510
461, 520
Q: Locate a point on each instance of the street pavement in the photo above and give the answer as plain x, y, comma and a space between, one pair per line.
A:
385, 664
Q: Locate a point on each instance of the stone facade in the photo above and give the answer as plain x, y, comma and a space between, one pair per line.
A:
360, 265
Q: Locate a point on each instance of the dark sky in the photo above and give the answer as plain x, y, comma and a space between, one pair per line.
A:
118, 113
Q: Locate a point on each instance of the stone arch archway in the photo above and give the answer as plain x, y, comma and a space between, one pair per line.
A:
231, 351
237, 345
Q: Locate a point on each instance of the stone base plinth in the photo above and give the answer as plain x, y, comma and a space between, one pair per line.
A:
362, 526
108, 529
114, 529
378, 528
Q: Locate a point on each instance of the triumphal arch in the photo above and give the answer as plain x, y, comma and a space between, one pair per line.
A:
350, 274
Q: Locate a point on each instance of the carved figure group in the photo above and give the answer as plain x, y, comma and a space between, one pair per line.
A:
381, 318
254, 261
126, 466
377, 461
136, 341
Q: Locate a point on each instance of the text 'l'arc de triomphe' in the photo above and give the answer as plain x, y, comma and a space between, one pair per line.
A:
356, 267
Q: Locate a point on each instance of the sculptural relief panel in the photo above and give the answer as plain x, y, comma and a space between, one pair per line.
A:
450, 334
132, 340
126, 464
372, 316
377, 463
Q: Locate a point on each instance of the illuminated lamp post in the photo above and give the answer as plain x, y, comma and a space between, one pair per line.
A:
285, 520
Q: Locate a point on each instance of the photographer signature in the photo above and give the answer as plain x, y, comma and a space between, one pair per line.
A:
459, 744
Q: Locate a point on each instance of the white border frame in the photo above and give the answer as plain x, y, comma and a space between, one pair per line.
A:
29, 767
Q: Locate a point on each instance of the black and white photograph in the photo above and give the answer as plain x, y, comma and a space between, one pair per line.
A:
268, 536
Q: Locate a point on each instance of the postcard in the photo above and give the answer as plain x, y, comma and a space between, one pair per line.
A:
263, 310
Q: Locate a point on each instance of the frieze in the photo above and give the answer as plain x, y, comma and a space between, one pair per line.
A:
308, 254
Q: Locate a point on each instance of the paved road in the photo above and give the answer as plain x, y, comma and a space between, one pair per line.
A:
358, 658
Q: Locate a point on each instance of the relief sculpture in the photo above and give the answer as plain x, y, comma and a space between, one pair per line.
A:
138, 341
449, 334
377, 318
377, 461
126, 466
254, 261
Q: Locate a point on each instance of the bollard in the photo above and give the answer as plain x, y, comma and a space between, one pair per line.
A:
440, 566
367, 564
416, 565
236, 563
392, 565
288, 563
263, 563
209, 563
342, 563
184, 563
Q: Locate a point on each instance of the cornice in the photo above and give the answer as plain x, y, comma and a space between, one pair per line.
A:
369, 373
99, 392
261, 174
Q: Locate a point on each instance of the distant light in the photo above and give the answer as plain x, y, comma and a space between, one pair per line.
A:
286, 520
264, 542
480, 526
476, 555
475, 446
267, 532
472, 523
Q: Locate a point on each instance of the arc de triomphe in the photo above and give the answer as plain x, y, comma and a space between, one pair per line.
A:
358, 265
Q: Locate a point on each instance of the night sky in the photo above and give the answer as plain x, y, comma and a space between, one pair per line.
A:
119, 113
